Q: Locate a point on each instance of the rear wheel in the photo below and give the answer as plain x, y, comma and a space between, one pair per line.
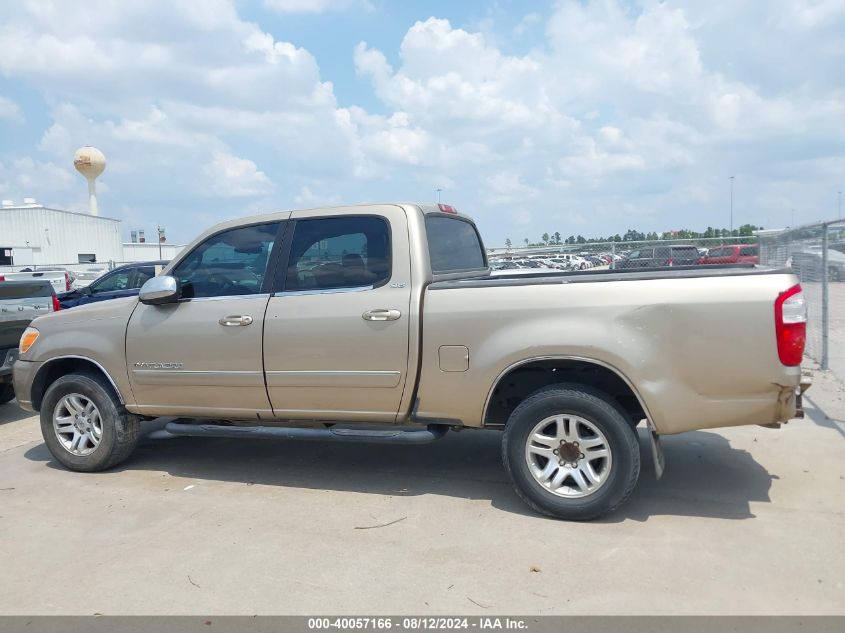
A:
85, 426
7, 393
570, 453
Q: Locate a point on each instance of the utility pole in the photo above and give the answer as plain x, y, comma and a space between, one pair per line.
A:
438, 195
158, 234
732, 205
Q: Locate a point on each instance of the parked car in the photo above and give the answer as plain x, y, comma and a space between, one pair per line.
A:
85, 276
733, 254
60, 278
808, 265
660, 256
382, 323
123, 281
20, 303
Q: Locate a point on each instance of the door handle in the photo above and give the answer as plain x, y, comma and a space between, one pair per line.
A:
236, 320
381, 314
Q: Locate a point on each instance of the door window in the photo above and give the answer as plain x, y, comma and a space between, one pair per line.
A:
230, 263
347, 252
142, 275
115, 282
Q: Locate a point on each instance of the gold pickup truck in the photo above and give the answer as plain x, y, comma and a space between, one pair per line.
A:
382, 323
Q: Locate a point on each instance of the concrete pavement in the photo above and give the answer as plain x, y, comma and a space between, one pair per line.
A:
745, 521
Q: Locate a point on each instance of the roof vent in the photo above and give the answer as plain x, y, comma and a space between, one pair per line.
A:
30, 201
8, 203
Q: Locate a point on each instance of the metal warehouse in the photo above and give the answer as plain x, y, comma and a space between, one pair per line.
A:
32, 234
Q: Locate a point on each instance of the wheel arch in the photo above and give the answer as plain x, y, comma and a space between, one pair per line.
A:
55, 368
526, 376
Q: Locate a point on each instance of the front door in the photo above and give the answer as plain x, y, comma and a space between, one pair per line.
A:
202, 355
336, 331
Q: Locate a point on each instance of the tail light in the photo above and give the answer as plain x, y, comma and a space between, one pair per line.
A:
67, 281
447, 208
670, 263
791, 325
2, 278
56, 305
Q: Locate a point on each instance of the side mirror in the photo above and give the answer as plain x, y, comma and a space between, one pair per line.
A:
159, 290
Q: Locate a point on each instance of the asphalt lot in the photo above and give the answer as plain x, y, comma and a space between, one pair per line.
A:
746, 520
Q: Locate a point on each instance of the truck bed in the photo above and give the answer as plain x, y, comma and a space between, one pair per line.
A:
697, 344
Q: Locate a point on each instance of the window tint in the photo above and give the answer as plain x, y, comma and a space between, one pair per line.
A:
230, 263
112, 283
142, 275
345, 252
748, 251
453, 244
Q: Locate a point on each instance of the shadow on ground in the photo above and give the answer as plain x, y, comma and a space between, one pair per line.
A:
819, 416
705, 476
11, 412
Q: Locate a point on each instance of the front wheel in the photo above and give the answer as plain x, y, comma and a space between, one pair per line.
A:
85, 426
570, 453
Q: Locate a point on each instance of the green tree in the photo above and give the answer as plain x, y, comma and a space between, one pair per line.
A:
526, 241
557, 237
508, 243
545, 238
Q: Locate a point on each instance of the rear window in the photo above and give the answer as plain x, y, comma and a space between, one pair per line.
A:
25, 289
747, 251
684, 251
453, 244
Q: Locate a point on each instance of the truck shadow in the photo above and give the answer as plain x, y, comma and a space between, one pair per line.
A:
705, 477
11, 412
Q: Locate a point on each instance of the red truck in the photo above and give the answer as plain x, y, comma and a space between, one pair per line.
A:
733, 254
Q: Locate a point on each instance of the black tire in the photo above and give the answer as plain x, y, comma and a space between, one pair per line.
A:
600, 410
7, 392
120, 429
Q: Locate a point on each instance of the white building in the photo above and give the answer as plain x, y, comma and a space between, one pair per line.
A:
32, 234
149, 251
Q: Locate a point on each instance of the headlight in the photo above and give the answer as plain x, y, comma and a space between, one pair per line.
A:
28, 338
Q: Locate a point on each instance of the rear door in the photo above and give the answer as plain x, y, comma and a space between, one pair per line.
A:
336, 330
202, 355
749, 255
684, 256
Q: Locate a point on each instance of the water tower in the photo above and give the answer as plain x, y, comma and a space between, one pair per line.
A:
90, 162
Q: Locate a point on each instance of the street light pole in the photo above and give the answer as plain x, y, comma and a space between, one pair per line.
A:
732, 206
438, 195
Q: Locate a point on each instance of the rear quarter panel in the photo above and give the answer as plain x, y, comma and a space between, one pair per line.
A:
700, 352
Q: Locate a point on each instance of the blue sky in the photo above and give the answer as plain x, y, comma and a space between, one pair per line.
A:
577, 117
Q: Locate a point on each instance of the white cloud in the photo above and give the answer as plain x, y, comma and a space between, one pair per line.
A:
316, 6
10, 111
232, 176
616, 115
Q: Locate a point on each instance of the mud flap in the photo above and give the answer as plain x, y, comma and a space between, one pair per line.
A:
656, 450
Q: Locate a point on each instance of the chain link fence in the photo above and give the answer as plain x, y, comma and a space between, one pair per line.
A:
816, 253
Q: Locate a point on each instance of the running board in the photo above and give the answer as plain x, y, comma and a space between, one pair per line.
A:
371, 436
